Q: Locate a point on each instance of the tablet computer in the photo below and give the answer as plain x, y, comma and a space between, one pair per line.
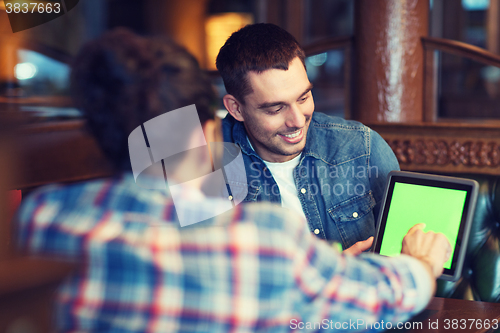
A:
444, 204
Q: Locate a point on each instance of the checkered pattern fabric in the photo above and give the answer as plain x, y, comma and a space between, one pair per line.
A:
255, 268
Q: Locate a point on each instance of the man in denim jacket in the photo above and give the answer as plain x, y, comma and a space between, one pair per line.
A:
329, 170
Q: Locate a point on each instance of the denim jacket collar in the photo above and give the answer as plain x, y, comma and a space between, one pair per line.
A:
314, 145
239, 135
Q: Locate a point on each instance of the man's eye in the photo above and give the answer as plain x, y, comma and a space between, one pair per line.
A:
274, 111
303, 99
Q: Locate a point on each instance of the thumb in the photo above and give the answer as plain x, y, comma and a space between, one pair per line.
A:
359, 247
366, 244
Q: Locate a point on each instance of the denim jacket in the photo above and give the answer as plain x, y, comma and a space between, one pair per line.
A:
340, 178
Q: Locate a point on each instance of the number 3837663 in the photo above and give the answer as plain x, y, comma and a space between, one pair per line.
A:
33, 7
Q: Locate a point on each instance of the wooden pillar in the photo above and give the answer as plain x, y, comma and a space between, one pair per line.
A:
493, 27
388, 60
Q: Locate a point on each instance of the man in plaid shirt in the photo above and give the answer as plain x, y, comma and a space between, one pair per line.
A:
253, 268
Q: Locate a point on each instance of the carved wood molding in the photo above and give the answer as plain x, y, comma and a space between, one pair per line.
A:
443, 152
445, 148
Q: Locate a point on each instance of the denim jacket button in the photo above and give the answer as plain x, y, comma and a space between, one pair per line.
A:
303, 191
355, 214
316, 231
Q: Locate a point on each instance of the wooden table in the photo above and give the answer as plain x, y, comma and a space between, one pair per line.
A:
454, 315
27, 288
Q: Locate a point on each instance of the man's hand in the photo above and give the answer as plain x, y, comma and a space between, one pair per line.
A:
359, 247
429, 247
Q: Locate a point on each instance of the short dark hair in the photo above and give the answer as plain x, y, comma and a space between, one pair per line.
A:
121, 80
257, 47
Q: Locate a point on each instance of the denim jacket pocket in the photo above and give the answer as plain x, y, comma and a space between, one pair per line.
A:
354, 218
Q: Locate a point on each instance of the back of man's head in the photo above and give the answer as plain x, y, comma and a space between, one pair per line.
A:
256, 47
121, 80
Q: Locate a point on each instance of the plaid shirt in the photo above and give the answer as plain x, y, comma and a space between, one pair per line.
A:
255, 268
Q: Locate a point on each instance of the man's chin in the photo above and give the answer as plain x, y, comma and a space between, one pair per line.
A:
295, 150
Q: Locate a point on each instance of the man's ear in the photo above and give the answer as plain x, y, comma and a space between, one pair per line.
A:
233, 106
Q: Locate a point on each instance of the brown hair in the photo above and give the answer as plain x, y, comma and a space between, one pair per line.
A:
256, 47
121, 80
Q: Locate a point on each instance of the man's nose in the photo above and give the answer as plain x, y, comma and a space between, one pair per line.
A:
295, 117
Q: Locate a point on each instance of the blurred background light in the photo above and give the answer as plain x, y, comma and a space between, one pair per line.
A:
218, 29
25, 71
318, 59
475, 4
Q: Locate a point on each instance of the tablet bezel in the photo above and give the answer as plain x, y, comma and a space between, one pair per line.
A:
469, 185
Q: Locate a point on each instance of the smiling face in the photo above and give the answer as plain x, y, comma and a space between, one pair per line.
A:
277, 113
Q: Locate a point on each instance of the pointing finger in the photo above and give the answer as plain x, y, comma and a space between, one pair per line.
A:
416, 227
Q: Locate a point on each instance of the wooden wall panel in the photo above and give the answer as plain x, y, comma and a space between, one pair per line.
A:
59, 152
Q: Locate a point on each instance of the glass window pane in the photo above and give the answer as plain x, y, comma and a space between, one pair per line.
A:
465, 21
326, 71
468, 89
328, 18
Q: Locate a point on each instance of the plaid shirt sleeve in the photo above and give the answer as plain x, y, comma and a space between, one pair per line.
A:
255, 268
358, 293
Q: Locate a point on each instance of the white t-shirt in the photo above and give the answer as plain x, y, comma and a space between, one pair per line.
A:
283, 175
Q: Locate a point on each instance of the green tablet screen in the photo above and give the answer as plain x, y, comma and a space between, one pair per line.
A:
440, 209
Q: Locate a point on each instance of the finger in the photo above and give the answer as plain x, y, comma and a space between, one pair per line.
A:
359, 247
365, 245
416, 227
353, 250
